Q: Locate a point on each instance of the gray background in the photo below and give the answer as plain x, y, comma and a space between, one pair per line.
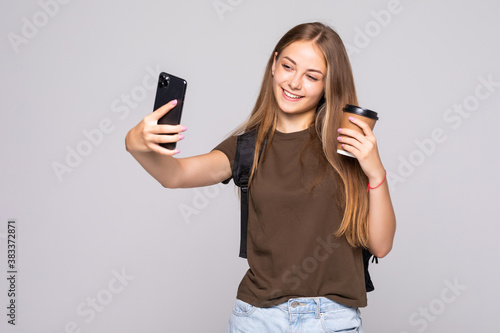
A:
178, 248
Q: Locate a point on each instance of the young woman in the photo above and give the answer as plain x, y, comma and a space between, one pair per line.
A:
310, 213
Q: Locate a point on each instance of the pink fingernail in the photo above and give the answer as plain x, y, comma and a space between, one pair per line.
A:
339, 130
177, 151
174, 102
184, 128
181, 136
338, 138
342, 145
351, 118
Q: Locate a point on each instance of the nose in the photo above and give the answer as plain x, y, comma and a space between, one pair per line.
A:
294, 82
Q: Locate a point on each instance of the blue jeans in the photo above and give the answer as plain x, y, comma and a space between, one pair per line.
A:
297, 315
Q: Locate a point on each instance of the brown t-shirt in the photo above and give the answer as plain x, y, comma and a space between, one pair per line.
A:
291, 249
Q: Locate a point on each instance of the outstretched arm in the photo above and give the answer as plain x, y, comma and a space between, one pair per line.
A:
142, 142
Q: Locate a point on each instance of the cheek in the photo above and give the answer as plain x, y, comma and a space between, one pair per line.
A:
316, 91
279, 76
276, 89
276, 85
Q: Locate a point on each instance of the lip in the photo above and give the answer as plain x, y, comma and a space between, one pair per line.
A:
288, 98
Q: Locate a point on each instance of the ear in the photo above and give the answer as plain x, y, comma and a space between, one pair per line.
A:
274, 63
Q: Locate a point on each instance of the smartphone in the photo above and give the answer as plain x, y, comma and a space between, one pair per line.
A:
170, 87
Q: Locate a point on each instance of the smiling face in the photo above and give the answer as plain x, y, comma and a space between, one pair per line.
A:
299, 80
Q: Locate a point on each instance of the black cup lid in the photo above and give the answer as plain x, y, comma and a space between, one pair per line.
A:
361, 111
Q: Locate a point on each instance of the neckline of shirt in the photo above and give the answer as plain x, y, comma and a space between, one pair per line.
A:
292, 135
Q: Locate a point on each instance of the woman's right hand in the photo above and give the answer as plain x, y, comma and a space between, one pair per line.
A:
147, 135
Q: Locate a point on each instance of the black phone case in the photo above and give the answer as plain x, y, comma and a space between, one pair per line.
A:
170, 87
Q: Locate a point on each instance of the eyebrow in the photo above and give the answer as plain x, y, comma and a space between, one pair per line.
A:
309, 70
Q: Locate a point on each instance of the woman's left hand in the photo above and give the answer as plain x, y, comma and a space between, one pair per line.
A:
364, 148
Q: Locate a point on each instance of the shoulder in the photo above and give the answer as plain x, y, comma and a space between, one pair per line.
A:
228, 147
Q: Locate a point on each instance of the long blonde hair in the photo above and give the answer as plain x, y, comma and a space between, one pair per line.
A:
339, 91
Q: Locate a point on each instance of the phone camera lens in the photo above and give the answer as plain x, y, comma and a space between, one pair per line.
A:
164, 81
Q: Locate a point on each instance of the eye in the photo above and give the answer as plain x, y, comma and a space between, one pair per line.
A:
286, 67
313, 78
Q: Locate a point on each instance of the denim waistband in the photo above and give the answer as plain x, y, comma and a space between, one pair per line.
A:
310, 305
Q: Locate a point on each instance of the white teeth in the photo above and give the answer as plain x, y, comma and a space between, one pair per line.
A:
291, 95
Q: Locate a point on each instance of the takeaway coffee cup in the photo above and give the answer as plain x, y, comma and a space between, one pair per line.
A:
368, 116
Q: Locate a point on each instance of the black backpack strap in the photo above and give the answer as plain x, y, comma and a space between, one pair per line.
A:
242, 167
366, 260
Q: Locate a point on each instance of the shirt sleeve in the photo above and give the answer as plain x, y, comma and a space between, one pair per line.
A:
228, 147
